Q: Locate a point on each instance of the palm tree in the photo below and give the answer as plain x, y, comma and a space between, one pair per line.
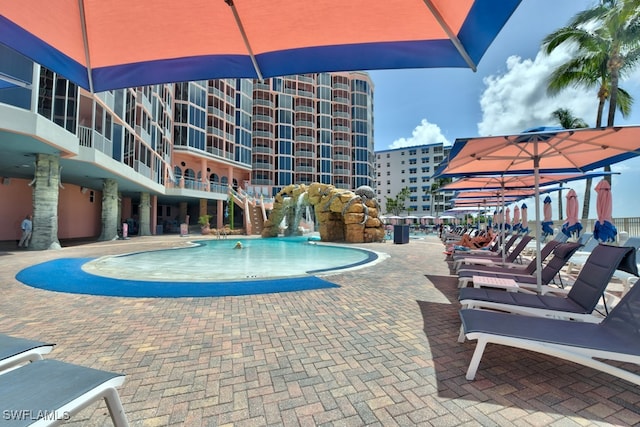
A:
603, 55
568, 121
435, 188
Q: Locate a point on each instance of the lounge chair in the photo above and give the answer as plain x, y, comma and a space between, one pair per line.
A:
509, 258
511, 268
561, 254
16, 351
55, 390
580, 301
616, 338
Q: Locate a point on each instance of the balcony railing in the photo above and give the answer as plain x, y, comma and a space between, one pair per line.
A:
305, 153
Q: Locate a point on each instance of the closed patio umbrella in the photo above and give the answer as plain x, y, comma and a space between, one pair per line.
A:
547, 222
572, 226
507, 218
516, 218
604, 230
525, 219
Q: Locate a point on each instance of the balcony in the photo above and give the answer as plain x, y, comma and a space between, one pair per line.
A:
305, 153
304, 109
342, 129
262, 134
305, 138
305, 123
338, 171
262, 150
341, 100
341, 143
262, 165
262, 182
92, 139
305, 169
262, 118
264, 102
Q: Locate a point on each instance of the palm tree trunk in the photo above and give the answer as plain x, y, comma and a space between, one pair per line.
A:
614, 68
615, 64
587, 199
560, 203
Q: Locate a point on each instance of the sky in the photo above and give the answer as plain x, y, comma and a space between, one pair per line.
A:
506, 95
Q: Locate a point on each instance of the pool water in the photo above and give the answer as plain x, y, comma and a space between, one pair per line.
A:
217, 260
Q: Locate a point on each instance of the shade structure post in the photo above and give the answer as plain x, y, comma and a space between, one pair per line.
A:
504, 234
536, 180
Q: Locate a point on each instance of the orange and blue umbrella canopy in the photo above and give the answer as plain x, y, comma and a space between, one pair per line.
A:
110, 44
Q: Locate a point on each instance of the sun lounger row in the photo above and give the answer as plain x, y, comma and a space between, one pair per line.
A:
562, 324
36, 391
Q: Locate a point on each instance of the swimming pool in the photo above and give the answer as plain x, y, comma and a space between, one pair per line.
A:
218, 260
210, 268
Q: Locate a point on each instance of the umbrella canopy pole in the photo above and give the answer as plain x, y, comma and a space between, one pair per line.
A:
536, 176
504, 226
85, 39
452, 37
244, 37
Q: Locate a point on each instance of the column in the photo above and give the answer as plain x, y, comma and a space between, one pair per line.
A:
144, 215
110, 210
45, 202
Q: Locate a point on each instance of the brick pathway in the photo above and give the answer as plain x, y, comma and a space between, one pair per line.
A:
380, 350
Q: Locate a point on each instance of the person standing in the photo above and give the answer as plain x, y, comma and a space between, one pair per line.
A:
27, 227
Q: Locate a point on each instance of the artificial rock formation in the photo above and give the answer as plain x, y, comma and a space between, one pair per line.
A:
342, 215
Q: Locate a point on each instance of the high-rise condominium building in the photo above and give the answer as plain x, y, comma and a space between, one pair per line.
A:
158, 156
412, 168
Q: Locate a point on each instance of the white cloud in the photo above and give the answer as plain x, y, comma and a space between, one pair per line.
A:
424, 133
518, 99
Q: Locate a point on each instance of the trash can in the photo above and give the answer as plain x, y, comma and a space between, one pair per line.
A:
400, 234
159, 229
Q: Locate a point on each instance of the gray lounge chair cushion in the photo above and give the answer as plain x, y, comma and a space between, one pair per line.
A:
10, 346
473, 270
576, 334
597, 272
561, 255
45, 386
547, 302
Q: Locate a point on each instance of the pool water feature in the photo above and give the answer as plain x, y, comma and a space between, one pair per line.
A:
219, 260
211, 268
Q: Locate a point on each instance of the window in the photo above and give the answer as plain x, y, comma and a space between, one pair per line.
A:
412, 152
412, 161
413, 170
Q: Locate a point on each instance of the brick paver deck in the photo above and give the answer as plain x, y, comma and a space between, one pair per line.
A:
380, 350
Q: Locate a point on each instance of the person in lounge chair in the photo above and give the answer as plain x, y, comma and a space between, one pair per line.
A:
477, 242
